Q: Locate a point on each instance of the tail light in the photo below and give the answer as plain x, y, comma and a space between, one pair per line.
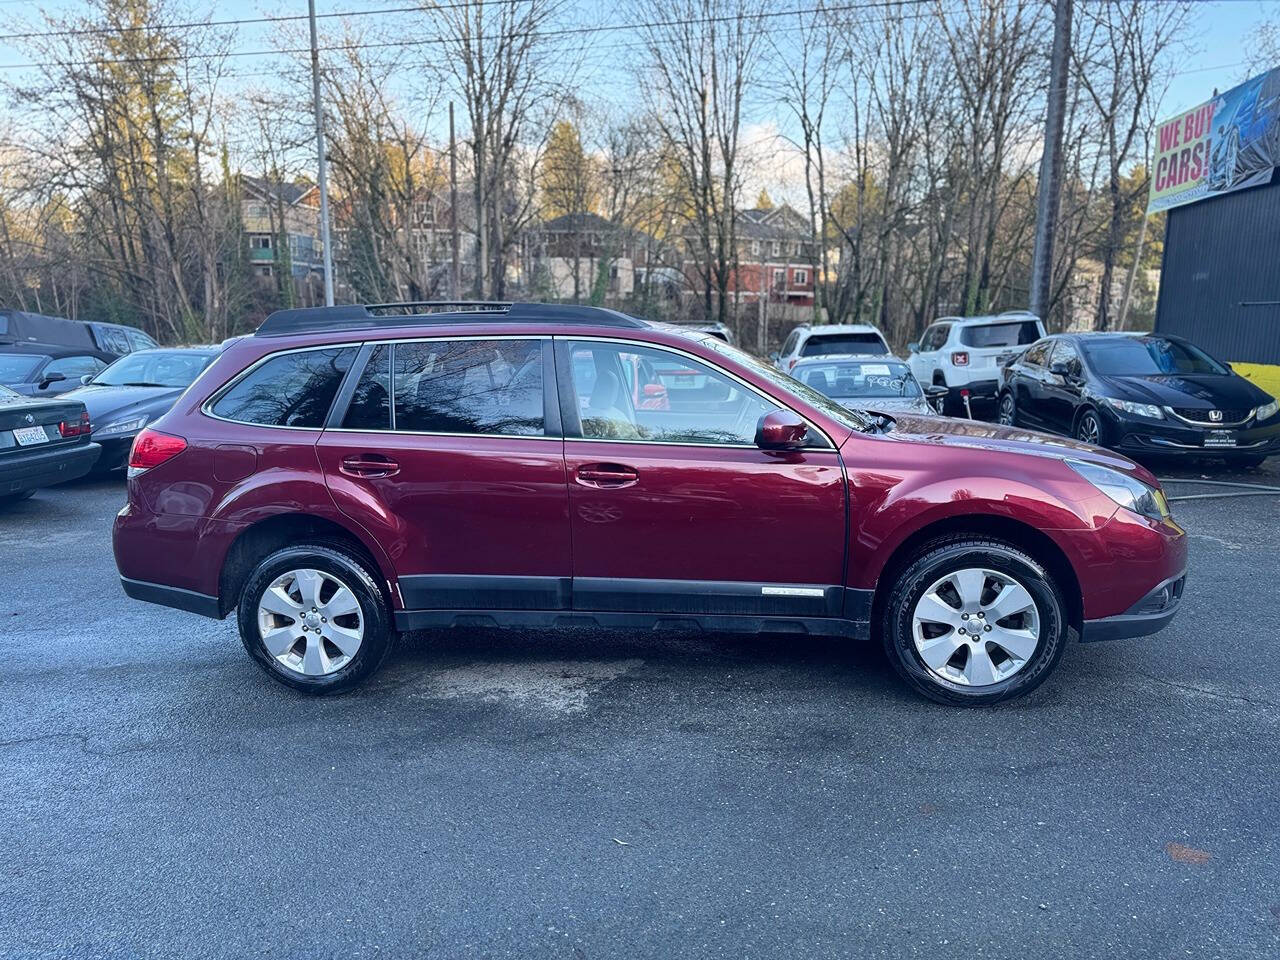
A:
960, 358
152, 448
76, 428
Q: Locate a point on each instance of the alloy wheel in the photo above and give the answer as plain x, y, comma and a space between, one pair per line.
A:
310, 622
1090, 431
1006, 410
976, 627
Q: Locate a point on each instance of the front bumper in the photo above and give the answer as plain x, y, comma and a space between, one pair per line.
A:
1149, 615
1136, 435
115, 452
45, 466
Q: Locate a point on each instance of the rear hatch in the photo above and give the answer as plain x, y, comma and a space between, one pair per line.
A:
991, 345
29, 424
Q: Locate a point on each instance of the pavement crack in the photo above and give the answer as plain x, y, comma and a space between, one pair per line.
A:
1210, 693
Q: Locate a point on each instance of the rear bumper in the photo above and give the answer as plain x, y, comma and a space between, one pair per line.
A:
1149, 615
31, 469
979, 390
175, 597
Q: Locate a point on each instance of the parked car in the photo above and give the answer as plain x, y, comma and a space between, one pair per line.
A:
133, 391
833, 338
344, 474
965, 354
42, 442
45, 370
882, 384
21, 327
1149, 394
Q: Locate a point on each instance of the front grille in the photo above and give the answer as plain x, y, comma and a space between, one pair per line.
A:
1200, 415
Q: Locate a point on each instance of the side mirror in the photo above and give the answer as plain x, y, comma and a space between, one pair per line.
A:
913, 347
86, 379
1059, 368
781, 430
49, 378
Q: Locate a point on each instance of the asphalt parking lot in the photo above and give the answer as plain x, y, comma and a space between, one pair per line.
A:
582, 795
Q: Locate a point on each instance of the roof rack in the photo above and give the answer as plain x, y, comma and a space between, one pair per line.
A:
419, 312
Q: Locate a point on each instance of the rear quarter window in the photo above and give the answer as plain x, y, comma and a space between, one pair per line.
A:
287, 390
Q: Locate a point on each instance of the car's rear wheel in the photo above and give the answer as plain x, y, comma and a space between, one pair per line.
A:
314, 618
1008, 414
974, 621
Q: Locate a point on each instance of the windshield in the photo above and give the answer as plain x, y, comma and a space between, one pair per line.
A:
18, 367
154, 368
1014, 334
1147, 356
851, 419
856, 378
825, 344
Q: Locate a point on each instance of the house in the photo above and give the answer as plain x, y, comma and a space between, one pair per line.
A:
775, 258
587, 243
282, 212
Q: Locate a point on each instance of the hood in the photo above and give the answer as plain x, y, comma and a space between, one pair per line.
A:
976, 435
1198, 390
106, 403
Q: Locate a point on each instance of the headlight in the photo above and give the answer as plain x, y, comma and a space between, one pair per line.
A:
1149, 410
1129, 492
1267, 410
118, 427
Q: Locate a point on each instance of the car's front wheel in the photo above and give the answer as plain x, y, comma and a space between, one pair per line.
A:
1089, 429
974, 621
313, 617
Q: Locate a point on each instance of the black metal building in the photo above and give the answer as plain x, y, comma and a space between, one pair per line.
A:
1220, 280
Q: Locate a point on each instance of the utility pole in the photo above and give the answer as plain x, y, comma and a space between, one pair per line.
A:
1050, 188
455, 277
321, 177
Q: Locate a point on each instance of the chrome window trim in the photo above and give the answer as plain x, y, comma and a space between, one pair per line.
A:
831, 445
206, 408
1213, 425
437, 433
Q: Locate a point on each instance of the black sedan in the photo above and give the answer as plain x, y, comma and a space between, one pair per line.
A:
42, 442
135, 390
1148, 394
46, 369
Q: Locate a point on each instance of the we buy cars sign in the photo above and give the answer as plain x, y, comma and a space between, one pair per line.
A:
1224, 144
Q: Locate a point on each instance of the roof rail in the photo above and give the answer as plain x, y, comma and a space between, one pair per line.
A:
421, 312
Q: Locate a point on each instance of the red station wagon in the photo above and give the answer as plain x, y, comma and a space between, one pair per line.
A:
350, 472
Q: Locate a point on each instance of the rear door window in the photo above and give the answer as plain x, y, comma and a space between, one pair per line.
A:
1038, 355
1015, 334
821, 345
287, 390
469, 387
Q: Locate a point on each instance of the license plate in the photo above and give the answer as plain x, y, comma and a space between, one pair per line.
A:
1220, 438
26, 436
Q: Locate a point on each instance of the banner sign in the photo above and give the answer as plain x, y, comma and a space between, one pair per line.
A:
1227, 143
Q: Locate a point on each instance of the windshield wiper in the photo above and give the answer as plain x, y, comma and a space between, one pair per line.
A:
135, 383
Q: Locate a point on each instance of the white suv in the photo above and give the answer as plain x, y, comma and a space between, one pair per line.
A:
832, 338
965, 354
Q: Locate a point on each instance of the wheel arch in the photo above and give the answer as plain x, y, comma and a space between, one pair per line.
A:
271, 533
1036, 544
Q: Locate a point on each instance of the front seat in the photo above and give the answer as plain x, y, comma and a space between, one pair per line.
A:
606, 416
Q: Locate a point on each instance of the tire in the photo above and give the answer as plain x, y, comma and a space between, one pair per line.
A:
1007, 410
1098, 432
9, 499
959, 680
309, 659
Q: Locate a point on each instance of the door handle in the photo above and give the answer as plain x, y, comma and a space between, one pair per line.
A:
606, 475
370, 466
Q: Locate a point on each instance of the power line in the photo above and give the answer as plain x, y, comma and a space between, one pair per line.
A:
435, 41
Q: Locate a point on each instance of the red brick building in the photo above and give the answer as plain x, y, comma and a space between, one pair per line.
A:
775, 258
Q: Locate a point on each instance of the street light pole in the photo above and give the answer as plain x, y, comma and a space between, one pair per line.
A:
1047, 201
322, 179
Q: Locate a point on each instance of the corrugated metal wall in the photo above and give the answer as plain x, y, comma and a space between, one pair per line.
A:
1220, 281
